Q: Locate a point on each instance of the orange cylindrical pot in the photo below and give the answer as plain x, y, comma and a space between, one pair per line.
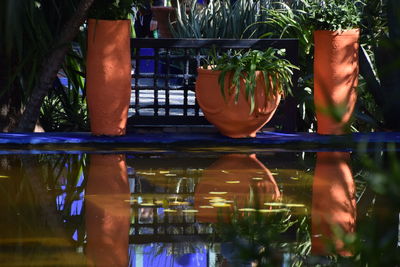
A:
234, 119
164, 15
108, 76
107, 211
335, 79
229, 181
333, 203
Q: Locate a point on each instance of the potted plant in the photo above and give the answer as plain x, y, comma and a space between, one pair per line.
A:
166, 15
336, 35
163, 15
108, 66
240, 92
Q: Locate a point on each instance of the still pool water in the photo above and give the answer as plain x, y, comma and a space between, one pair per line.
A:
214, 208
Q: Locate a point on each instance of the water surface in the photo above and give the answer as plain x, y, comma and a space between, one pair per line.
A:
196, 208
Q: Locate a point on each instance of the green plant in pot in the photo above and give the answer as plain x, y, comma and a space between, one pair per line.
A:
333, 15
240, 92
108, 66
112, 10
336, 35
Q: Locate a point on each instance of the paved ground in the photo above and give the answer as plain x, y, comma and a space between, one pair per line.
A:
146, 97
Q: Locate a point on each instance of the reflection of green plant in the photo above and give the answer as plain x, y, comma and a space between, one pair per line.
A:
175, 249
383, 173
29, 213
242, 66
375, 242
257, 234
66, 175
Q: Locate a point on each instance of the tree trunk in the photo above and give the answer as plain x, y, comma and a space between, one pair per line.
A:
50, 67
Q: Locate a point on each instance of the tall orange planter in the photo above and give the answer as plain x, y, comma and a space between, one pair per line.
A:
335, 79
108, 76
234, 119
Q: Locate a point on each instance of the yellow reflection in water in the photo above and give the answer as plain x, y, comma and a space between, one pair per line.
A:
147, 204
295, 205
170, 210
130, 200
247, 209
220, 204
213, 200
179, 203
190, 211
273, 210
276, 204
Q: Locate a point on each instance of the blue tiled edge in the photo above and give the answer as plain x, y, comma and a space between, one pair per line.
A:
265, 138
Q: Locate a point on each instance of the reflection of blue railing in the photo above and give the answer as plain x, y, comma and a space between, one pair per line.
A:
164, 255
152, 223
164, 75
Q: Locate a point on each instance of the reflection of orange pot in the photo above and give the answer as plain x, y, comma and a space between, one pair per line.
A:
333, 202
234, 119
229, 180
335, 79
107, 211
108, 75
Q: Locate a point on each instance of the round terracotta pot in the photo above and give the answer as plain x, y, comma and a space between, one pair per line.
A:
333, 203
230, 180
234, 119
108, 76
163, 15
335, 79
